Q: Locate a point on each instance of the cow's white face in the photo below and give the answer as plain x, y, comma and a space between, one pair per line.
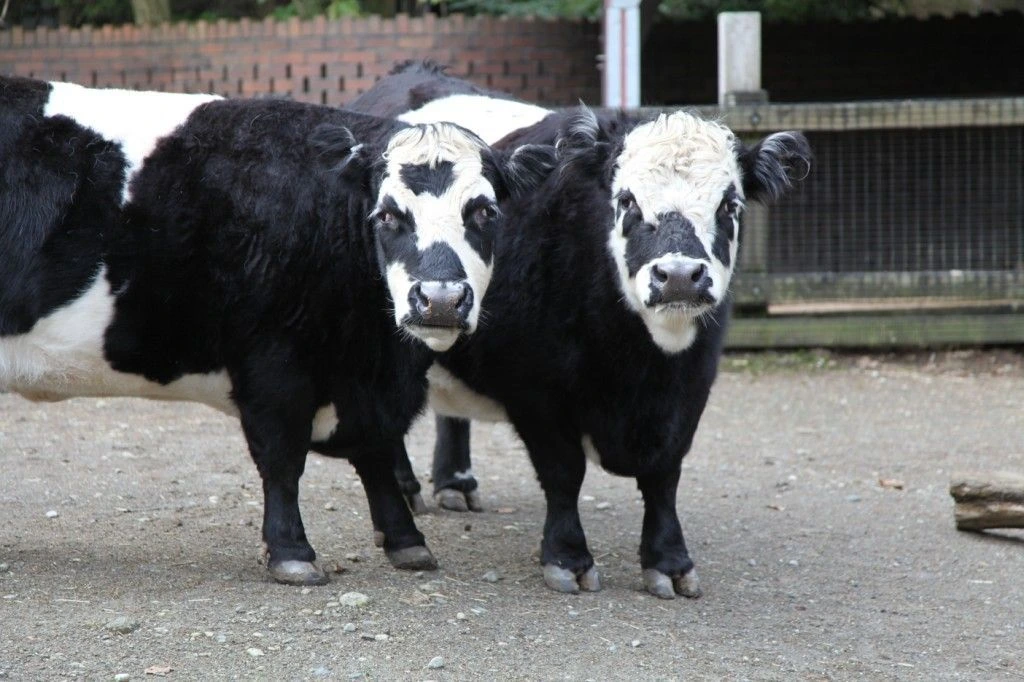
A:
677, 193
435, 217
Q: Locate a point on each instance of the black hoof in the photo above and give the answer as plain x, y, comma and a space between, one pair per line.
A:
456, 500
563, 580
412, 559
295, 572
665, 587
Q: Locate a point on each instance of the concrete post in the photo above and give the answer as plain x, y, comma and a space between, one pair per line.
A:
739, 59
621, 53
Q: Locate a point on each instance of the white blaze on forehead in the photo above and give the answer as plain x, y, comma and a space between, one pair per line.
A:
134, 120
491, 118
439, 218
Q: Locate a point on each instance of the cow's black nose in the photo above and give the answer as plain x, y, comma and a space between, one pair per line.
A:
441, 304
681, 281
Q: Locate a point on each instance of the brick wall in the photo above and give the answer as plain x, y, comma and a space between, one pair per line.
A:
321, 61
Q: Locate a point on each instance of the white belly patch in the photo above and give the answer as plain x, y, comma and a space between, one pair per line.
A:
450, 397
62, 357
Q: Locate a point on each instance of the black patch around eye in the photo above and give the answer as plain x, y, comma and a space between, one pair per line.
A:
405, 218
724, 230
421, 177
479, 237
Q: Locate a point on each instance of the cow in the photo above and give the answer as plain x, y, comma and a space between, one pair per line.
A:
610, 301
292, 265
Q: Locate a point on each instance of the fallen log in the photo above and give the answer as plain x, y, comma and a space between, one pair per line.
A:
991, 500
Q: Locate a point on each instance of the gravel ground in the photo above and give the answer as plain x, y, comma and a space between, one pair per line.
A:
131, 531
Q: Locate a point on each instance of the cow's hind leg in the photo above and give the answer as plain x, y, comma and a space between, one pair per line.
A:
396, 531
407, 482
278, 436
455, 487
667, 567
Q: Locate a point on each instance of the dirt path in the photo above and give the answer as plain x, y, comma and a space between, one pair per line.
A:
811, 568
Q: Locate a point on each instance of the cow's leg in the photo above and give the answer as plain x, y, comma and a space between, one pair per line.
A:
278, 433
561, 465
396, 531
455, 487
407, 482
667, 567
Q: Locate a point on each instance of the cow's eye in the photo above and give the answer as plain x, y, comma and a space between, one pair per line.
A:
627, 202
484, 214
731, 206
387, 219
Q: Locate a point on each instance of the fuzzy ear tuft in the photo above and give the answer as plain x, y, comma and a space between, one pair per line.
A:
527, 167
338, 152
772, 165
580, 131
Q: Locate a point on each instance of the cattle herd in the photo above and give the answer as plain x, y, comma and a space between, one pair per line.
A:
323, 274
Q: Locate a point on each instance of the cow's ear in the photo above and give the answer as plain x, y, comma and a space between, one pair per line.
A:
338, 153
772, 165
527, 167
582, 139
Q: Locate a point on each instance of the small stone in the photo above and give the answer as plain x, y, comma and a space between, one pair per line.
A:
349, 627
4, 567
853, 498
122, 625
382, 637
254, 651
429, 587
354, 558
367, 636
490, 577
356, 599
436, 663
603, 505
122, 677
794, 562
330, 507
635, 643
460, 616
52, 514
305, 590
222, 639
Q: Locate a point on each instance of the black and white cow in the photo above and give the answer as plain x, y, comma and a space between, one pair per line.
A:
610, 302
285, 263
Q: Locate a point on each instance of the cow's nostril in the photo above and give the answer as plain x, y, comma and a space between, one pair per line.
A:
461, 296
659, 274
698, 273
421, 300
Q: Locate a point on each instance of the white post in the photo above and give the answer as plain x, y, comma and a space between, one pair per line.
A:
739, 58
621, 53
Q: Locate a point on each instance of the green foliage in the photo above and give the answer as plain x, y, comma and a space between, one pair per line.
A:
782, 10
545, 9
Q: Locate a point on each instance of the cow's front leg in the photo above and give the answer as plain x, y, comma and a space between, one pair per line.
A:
406, 478
393, 525
278, 437
455, 487
667, 567
561, 465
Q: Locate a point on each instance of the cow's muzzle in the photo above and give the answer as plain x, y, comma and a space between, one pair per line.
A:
440, 304
680, 282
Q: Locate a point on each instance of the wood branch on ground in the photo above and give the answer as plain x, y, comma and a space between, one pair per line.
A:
988, 500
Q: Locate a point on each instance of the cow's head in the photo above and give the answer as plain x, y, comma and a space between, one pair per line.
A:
677, 186
436, 190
